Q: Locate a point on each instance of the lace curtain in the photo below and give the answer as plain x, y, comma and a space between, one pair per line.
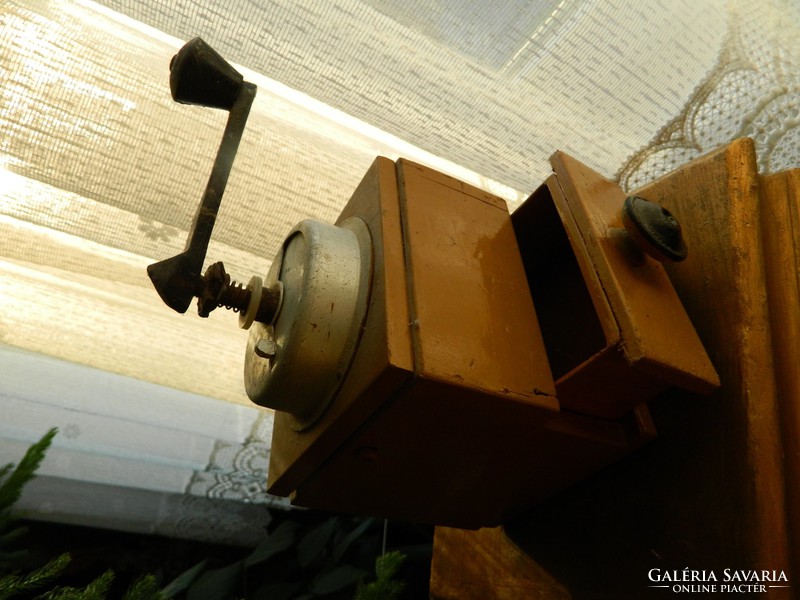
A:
100, 173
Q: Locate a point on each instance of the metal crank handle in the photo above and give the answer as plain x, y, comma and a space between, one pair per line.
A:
200, 76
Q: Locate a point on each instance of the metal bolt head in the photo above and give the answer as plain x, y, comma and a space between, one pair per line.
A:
654, 229
266, 348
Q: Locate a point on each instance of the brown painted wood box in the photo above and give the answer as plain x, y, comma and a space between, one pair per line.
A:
450, 413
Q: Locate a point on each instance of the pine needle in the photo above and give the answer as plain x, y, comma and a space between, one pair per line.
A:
145, 588
11, 489
13, 585
385, 588
96, 590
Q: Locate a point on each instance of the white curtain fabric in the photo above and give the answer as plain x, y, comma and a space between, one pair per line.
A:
100, 173
134, 455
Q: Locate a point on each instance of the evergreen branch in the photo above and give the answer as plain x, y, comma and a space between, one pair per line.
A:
384, 588
8, 585
11, 489
96, 590
145, 588
63, 593
387, 565
13, 585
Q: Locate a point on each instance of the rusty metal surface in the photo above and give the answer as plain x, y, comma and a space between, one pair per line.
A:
217, 290
654, 229
200, 76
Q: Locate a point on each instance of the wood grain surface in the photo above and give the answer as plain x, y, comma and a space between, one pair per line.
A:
711, 493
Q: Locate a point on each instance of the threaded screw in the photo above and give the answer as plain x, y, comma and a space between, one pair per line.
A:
217, 290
